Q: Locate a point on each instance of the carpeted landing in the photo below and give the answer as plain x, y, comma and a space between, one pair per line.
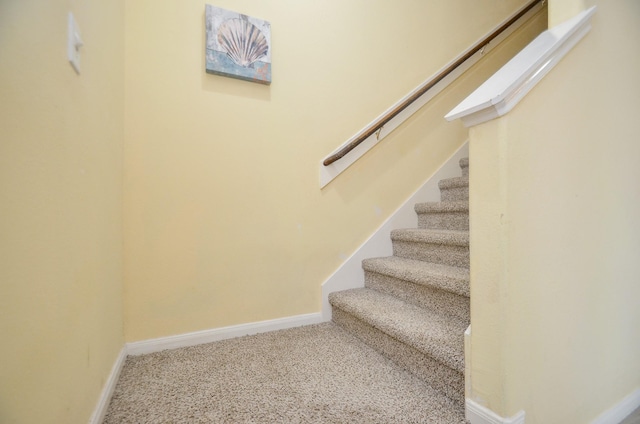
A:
313, 374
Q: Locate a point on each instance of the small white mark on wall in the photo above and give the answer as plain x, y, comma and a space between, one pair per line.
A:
74, 42
377, 210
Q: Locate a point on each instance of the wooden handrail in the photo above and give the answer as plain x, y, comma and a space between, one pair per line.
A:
381, 122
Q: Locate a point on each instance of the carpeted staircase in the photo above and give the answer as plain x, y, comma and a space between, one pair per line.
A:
414, 307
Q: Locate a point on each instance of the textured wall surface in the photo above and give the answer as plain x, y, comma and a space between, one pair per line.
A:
61, 144
554, 235
224, 219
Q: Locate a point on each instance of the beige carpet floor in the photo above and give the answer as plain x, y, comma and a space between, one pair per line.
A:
313, 374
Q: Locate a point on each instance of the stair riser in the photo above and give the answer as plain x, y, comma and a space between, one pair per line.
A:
442, 301
454, 194
458, 221
464, 165
435, 253
439, 376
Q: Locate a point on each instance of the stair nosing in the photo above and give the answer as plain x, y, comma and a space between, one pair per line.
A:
452, 356
422, 273
432, 236
456, 182
442, 207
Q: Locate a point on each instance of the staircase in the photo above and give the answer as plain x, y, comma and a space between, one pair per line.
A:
414, 307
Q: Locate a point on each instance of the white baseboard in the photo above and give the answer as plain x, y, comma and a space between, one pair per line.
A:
350, 274
478, 414
467, 363
109, 387
191, 339
621, 410
216, 334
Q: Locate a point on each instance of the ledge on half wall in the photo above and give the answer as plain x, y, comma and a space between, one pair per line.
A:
500, 93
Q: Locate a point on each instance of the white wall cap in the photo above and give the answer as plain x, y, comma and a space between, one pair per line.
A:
500, 93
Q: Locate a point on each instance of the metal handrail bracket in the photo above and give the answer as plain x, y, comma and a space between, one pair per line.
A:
394, 116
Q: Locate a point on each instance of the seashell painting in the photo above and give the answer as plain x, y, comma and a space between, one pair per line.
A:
243, 41
237, 45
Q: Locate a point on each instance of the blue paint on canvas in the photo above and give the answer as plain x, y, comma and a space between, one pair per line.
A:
238, 45
219, 63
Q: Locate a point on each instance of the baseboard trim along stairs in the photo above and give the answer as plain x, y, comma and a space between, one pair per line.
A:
414, 306
350, 274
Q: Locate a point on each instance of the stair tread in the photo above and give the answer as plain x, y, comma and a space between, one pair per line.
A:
444, 277
453, 182
439, 207
425, 330
433, 236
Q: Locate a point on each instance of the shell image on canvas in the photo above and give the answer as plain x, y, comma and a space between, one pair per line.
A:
243, 41
238, 45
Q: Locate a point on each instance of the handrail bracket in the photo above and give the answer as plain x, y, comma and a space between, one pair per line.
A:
480, 47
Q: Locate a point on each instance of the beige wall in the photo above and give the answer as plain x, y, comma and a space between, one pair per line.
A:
224, 219
61, 139
555, 235
224, 222
562, 10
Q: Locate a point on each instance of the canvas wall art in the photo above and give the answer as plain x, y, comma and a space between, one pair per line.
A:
238, 46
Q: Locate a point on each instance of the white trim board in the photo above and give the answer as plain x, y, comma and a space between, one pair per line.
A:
217, 334
190, 339
467, 362
329, 173
105, 397
504, 90
621, 410
478, 414
350, 274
